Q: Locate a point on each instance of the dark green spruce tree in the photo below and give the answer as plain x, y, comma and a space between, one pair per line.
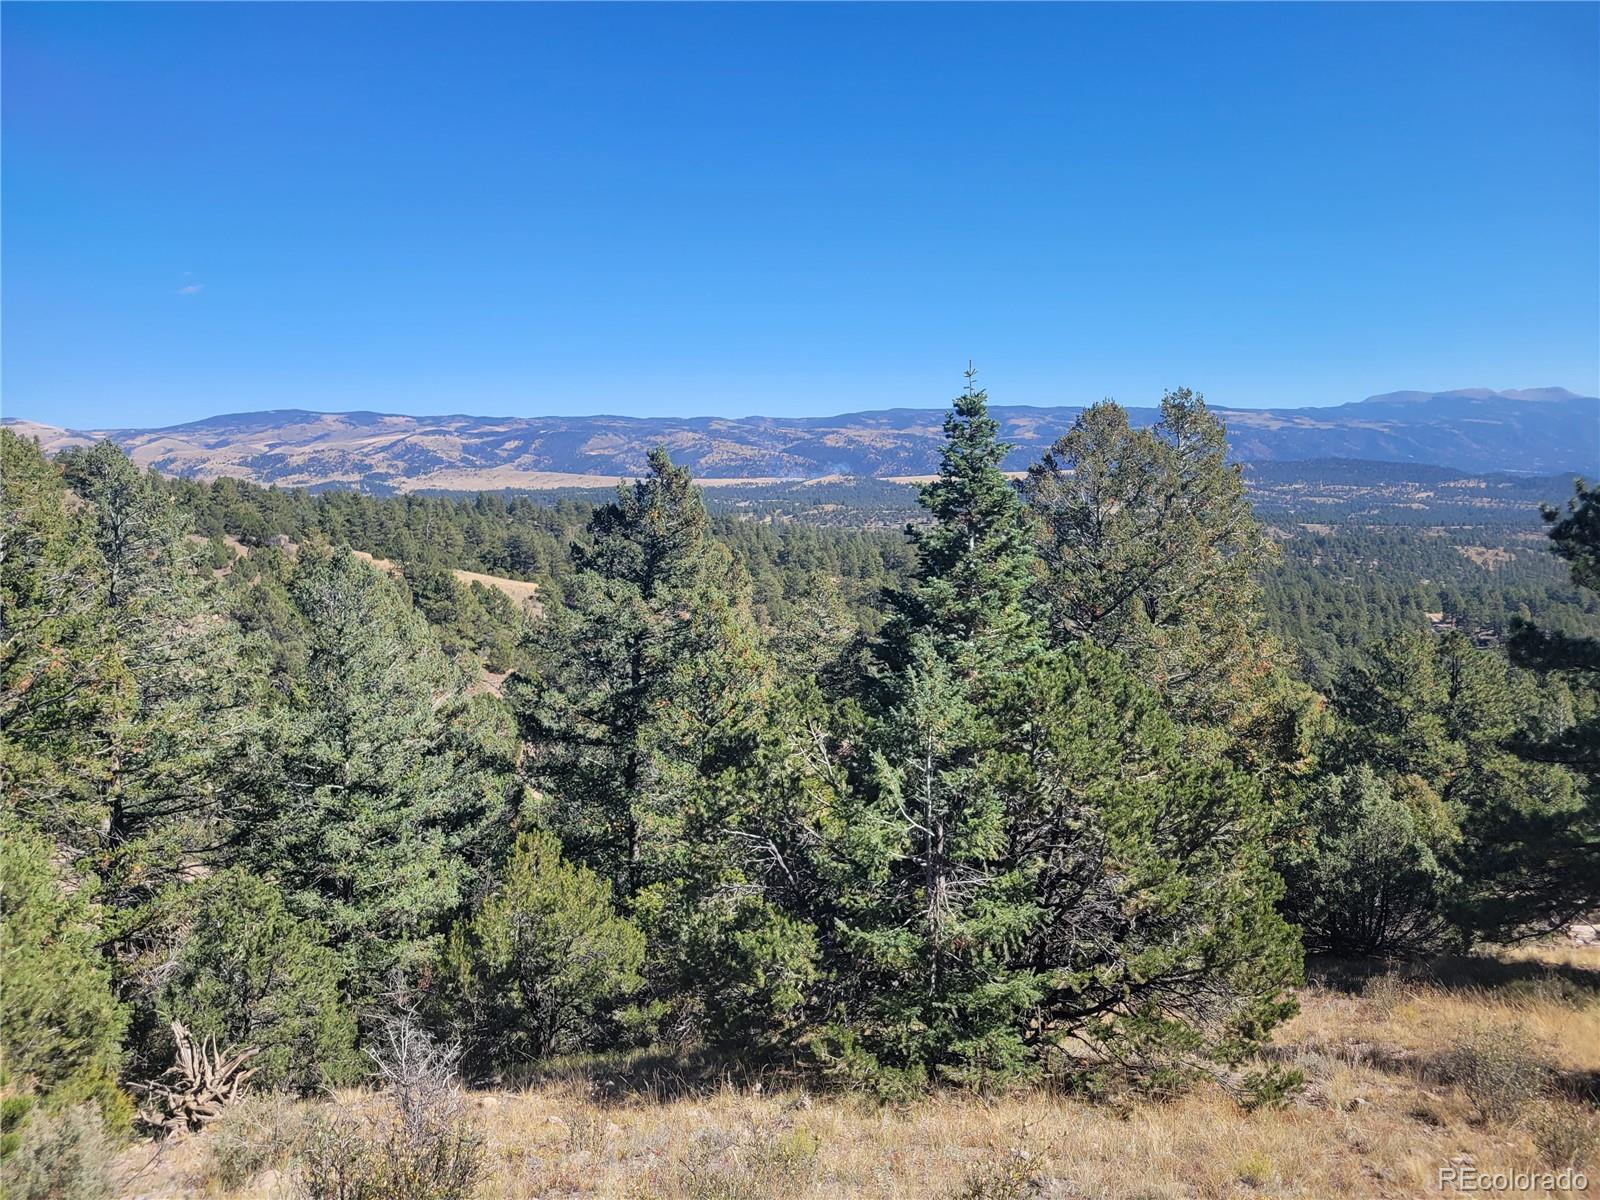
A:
929, 940
975, 564
383, 790
653, 694
1030, 874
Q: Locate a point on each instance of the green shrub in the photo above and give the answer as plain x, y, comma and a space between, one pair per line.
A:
60, 1025
1273, 1086
747, 965
527, 972
14, 1110
252, 974
63, 1155
1367, 877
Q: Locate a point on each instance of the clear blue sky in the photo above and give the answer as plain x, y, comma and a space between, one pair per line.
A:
790, 209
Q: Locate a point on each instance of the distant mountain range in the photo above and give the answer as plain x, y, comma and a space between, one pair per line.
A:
1540, 430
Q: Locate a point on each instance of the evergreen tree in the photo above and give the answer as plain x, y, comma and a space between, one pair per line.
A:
634, 618
1368, 879
1150, 548
975, 563
60, 1025
170, 751
1031, 861
124, 705
1109, 900
1431, 718
1557, 871
370, 802
120, 702
930, 935
1159, 942
248, 973
542, 961
61, 682
1396, 716
654, 690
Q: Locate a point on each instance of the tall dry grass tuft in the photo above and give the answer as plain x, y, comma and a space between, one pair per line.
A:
1567, 1134
258, 1134
1500, 1068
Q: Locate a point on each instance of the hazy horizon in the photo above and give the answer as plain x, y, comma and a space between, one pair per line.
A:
744, 416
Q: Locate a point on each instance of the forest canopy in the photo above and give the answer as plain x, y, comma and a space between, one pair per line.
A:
1061, 781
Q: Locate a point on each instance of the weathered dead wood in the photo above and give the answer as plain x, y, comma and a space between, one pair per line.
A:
198, 1086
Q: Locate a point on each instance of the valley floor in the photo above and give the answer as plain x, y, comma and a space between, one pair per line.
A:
1480, 1064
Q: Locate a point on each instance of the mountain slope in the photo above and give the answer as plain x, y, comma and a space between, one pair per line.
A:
1545, 429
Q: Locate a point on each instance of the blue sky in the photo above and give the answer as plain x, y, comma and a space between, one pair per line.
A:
790, 209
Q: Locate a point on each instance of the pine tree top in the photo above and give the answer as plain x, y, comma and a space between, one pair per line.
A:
975, 563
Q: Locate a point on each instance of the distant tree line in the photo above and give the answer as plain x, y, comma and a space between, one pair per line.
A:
1032, 790
1331, 592
1337, 592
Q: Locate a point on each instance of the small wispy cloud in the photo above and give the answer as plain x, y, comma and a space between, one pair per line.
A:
190, 289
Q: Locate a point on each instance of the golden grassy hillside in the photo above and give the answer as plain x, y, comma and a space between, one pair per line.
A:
1483, 1063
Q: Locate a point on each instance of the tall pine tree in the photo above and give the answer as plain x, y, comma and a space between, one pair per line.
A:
1150, 548
1035, 874
1558, 857
654, 692
376, 798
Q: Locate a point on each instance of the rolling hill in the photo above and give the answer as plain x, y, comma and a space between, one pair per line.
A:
1542, 430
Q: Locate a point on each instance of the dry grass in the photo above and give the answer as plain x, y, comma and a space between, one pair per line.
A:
1380, 1115
1490, 558
519, 591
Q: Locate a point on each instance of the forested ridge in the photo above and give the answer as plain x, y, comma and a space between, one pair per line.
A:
1339, 584
1061, 782
1472, 429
